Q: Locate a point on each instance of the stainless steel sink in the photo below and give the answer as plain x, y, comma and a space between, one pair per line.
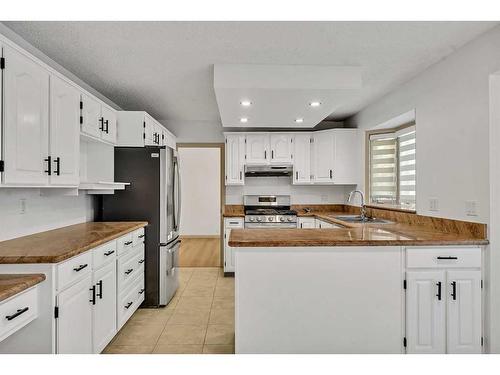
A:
359, 219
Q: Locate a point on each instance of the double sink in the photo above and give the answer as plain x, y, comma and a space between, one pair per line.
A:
362, 220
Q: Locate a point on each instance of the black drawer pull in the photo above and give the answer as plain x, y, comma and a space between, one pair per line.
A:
128, 243
128, 305
80, 267
233, 222
439, 291
448, 258
141, 291
108, 253
141, 236
49, 166
454, 290
99, 294
129, 271
93, 295
141, 261
16, 314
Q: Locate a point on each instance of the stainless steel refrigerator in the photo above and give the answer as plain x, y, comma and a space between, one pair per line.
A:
153, 196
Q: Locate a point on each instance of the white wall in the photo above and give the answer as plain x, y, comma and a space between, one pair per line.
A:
200, 189
283, 186
42, 212
451, 101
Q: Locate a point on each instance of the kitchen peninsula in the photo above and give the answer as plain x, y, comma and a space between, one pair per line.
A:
411, 284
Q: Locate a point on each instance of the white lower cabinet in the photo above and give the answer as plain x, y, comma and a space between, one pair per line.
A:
74, 321
321, 224
229, 224
105, 306
306, 222
443, 306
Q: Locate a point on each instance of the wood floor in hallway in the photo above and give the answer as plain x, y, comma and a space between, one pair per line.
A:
200, 252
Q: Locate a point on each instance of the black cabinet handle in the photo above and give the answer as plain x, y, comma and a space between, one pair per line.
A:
301, 225
16, 314
265, 154
233, 222
128, 242
99, 294
128, 305
449, 258
80, 267
296, 175
101, 127
107, 127
241, 175
141, 261
439, 291
108, 253
331, 173
454, 290
141, 236
49, 165
129, 271
93, 295
141, 291
272, 154
58, 166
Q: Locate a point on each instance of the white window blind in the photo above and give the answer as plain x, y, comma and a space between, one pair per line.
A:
393, 168
407, 167
383, 168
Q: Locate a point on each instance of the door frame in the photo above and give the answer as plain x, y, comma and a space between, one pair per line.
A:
222, 148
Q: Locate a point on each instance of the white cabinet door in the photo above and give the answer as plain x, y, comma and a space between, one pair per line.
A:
91, 116
109, 124
306, 222
281, 148
235, 159
257, 148
321, 224
347, 155
302, 158
149, 131
426, 312
105, 308
64, 132
26, 120
74, 324
323, 157
464, 311
229, 224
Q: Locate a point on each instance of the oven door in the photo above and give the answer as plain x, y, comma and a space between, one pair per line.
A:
270, 226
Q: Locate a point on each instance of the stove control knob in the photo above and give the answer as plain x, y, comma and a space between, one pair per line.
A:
282, 218
289, 219
252, 219
259, 219
271, 218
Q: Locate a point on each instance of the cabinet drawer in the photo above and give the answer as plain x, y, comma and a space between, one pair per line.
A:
236, 222
124, 244
443, 257
18, 311
73, 269
129, 267
103, 254
129, 300
138, 237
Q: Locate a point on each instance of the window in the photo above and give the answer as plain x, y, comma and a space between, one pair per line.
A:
392, 167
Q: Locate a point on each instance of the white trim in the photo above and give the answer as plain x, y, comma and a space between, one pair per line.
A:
402, 119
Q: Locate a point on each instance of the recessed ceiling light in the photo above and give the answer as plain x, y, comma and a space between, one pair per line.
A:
246, 103
243, 120
315, 104
299, 120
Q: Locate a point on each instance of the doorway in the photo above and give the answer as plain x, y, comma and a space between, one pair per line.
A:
202, 193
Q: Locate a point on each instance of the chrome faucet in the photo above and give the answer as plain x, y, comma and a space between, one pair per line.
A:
363, 207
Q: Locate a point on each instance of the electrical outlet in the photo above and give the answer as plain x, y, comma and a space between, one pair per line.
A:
433, 204
22, 206
471, 208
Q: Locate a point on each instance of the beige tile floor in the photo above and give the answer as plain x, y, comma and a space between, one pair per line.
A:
199, 319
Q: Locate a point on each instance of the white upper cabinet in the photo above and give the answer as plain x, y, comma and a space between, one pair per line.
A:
346, 166
139, 129
149, 131
26, 120
302, 158
323, 157
91, 116
257, 148
235, 159
108, 116
281, 148
64, 132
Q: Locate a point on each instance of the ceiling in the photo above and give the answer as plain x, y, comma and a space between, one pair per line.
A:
166, 68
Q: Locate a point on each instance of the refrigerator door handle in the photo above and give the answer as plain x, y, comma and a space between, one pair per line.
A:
177, 195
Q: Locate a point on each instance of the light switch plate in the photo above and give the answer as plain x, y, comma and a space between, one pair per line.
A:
471, 208
433, 204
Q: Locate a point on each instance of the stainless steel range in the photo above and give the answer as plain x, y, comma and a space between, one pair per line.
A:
269, 211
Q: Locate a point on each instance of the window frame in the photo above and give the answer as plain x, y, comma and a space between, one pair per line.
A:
386, 206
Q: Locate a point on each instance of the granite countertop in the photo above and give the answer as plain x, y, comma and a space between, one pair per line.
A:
12, 284
57, 245
416, 230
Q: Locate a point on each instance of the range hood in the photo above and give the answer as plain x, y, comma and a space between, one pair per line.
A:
268, 170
